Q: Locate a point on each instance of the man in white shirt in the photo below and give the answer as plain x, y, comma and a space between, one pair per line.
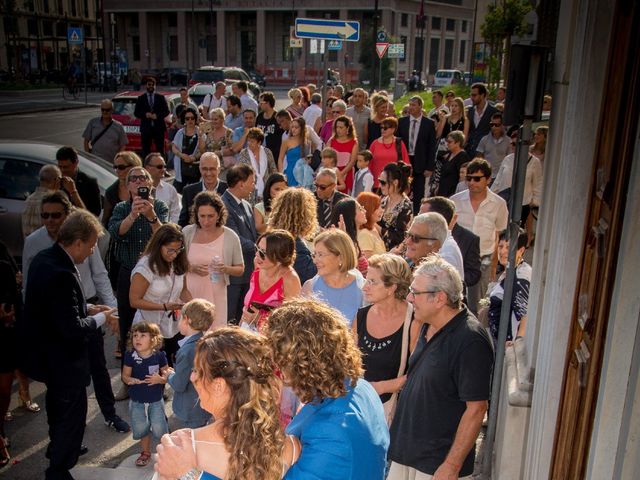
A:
360, 114
215, 100
485, 214
313, 111
248, 102
156, 166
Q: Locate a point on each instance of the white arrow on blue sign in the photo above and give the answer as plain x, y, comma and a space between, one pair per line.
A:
346, 30
74, 36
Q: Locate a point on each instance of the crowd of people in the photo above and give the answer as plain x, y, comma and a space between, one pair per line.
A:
309, 301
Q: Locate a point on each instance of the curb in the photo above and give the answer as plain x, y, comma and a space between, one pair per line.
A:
49, 109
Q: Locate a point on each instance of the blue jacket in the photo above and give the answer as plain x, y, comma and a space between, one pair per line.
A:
345, 437
185, 398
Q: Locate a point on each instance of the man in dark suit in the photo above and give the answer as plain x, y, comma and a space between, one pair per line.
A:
241, 180
209, 169
59, 323
419, 135
83, 190
151, 109
479, 115
468, 242
327, 195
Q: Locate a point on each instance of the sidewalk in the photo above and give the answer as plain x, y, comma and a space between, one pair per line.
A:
34, 101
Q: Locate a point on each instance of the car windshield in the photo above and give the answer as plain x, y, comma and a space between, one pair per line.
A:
444, 74
124, 106
207, 76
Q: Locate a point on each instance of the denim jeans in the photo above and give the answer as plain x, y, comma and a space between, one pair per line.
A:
148, 418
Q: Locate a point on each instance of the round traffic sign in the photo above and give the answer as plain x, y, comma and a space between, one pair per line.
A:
382, 36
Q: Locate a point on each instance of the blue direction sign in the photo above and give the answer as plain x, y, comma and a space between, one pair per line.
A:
335, 45
346, 30
74, 36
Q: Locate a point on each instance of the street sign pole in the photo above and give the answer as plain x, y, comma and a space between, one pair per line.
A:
84, 69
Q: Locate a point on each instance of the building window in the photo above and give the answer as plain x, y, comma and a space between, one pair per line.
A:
436, 23
212, 52
434, 55
463, 51
61, 29
172, 18
404, 20
403, 40
463, 27
135, 41
87, 31
32, 27
333, 56
29, 5
74, 10
60, 8
47, 29
451, 25
45, 6
173, 48
448, 53
86, 7
287, 51
135, 21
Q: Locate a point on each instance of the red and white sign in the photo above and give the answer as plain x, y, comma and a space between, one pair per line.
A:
381, 48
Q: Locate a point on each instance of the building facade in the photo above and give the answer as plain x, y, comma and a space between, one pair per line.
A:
255, 34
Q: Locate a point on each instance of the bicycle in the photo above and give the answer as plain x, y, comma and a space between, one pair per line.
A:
70, 90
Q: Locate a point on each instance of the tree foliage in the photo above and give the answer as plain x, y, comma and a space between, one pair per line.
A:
505, 19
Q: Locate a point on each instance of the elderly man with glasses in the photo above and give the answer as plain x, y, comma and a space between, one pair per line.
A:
103, 135
440, 410
327, 195
131, 225
426, 235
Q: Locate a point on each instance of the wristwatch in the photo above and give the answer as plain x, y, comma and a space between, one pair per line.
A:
193, 474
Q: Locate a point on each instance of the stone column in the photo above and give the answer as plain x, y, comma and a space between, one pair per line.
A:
183, 58
221, 32
143, 28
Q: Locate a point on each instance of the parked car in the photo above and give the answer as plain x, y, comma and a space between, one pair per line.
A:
173, 76
258, 78
229, 75
124, 105
443, 78
20, 164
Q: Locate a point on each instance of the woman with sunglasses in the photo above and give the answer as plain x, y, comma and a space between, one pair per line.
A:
396, 206
214, 253
185, 147
158, 285
118, 192
379, 104
446, 175
337, 283
345, 142
387, 149
274, 280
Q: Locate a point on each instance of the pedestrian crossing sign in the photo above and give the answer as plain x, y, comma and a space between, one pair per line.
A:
75, 36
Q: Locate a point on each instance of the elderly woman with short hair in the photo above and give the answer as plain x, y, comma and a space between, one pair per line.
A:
260, 159
384, 329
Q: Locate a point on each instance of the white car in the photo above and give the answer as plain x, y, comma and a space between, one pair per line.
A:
443, 78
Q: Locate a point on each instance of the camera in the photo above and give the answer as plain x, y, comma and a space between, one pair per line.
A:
143, 192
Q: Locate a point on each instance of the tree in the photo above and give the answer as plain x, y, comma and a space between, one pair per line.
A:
368, 57
503, 20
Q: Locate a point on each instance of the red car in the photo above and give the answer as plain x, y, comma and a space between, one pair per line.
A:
124, 105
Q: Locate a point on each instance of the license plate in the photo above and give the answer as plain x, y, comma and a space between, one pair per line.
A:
131, 129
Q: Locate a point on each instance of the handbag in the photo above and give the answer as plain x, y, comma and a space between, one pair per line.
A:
390, 405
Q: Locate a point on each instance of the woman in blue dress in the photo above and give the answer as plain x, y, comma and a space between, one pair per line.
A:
292, 149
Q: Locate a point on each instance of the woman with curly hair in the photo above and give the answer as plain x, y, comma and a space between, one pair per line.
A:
294, 210
234, 377
342, 424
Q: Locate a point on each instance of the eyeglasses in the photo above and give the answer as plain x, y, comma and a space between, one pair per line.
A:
416, 238
323, 187
54, 215
261, 253
106, 110
120, 167
474, 178
138, 178
174, 251
416, 292
162, 166
495, 124
382, 182
321, 255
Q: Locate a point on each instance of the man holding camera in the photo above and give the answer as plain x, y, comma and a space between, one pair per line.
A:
131, 225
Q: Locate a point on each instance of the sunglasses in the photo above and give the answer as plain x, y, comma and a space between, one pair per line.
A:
261, 253
105, 110
472, 178
189, 118
382, 182
174, 251
137, 178
336, 111
495, 124
54, 215
162, 166
323, 187
385, 128
416, 238
120, 167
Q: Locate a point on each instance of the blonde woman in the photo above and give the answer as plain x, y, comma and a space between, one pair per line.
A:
296, 109
234, 377
216, 138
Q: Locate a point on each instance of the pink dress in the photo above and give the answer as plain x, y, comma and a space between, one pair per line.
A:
272, 296
344, 150
203, 287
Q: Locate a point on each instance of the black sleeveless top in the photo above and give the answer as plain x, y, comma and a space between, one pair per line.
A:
380, 356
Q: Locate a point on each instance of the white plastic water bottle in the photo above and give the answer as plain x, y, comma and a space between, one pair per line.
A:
213, 274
